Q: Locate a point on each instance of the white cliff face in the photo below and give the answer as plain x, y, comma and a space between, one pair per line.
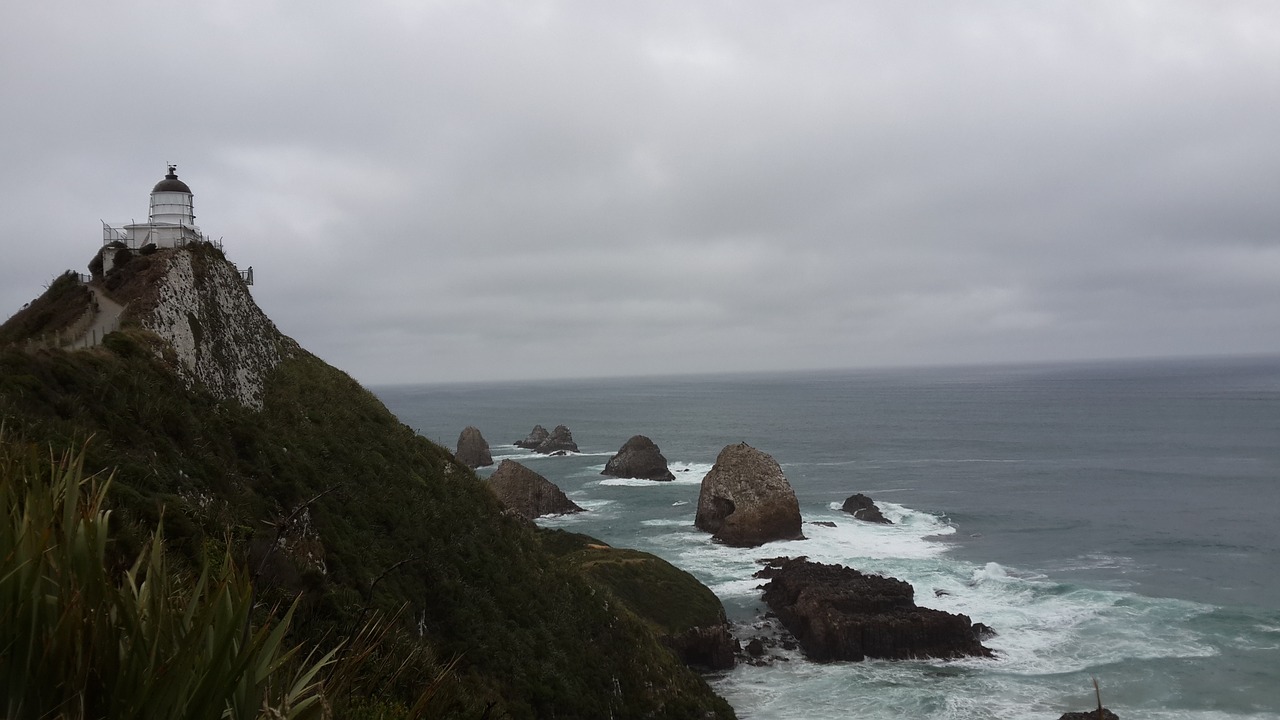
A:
221, 337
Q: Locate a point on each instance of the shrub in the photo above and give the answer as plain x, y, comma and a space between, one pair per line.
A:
80, 643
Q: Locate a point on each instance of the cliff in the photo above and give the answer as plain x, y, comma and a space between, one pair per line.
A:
247, 443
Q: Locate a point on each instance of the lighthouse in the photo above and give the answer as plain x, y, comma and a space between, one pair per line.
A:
171, 221
171, 201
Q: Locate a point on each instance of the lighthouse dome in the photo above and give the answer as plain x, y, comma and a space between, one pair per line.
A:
171, 183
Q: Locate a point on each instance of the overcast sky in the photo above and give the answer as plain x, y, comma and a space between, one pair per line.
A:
442, 191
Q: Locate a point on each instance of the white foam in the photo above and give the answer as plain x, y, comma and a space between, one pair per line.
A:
689, 472
688, 522
1094, 561
640, 482
595, 510
990, 571
1043, 628
1046, 628
749, 587
630, 482
518, 454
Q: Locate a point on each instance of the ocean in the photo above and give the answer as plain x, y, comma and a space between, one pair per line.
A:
1112, 520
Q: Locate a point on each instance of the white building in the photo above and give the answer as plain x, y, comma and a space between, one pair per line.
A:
171, 222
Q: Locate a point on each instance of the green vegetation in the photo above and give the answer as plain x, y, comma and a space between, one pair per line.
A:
334, 505
61, 305
81, 643
668, 598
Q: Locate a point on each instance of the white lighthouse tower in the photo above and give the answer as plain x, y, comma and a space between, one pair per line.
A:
171, 222
171, 201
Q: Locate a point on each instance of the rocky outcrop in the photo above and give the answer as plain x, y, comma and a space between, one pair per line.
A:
558, 442
220, 338
746, 501
1099, 714
536, 437
863, 508
528, 493
473, 449
712, 647
638, 458
838, 613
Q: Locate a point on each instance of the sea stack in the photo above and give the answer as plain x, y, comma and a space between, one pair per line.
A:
640, 458
473, 449
534, 439
560, 441
746, 501
864, 508
528, 493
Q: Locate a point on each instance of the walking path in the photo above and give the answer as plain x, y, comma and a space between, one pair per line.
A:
105, 320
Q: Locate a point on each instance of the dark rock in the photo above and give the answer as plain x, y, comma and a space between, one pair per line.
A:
638, 458
558, 453
823, 523
536, 437
861, 507
755, 648
527, 492
710, 647
559, 441
746, 501
838, 613
982, 631
473, 449
1101, 714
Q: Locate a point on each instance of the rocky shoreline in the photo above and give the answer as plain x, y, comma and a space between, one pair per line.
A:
829, 613
838, 613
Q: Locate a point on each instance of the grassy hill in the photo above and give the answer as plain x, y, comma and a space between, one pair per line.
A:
309, 483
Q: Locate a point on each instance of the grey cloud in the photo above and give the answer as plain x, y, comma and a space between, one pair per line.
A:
438, 191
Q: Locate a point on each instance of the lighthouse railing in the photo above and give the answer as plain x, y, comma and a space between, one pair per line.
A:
145, 234
111, 233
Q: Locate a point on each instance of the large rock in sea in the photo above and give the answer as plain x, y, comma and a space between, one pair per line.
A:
746, 501
864, 508
528, 493
838, 613
559, 441
536, 436
638, 458
1099, 714
473, 449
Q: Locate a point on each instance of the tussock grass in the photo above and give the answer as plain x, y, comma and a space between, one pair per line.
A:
78, 642
58, 307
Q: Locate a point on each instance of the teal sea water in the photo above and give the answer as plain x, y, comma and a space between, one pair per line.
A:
1109, 520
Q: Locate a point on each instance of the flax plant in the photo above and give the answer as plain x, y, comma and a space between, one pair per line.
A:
78, 642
